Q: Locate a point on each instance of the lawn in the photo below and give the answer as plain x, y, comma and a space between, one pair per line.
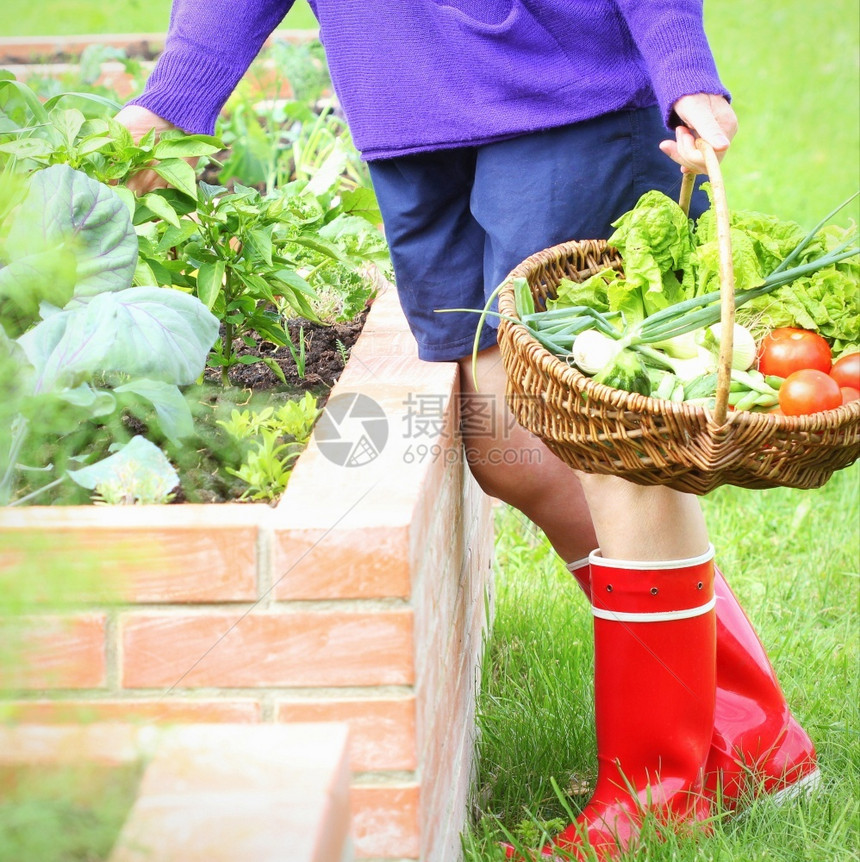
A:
793, 557
73, 17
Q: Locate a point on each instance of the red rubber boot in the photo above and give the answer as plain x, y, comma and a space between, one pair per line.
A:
654, 685
758, 746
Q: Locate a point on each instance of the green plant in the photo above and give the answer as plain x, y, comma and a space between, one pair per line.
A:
76, 128
342, 351
299, 353
77, 339
273, 439
250, 257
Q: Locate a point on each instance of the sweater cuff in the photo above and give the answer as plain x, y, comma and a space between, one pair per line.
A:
684, 70
189, 90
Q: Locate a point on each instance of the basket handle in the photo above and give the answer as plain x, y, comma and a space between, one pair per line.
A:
727, 272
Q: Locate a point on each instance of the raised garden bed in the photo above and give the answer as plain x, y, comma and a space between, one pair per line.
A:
60, 56
361, 598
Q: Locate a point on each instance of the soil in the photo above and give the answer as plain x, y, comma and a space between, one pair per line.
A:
326, 346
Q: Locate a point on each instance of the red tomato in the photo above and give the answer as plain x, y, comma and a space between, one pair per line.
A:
846, 370
785, 350
808, 391
849, 393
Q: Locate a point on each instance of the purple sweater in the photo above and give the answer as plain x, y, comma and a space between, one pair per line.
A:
431, 74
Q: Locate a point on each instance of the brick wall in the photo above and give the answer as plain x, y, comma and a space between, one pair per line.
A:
361, 598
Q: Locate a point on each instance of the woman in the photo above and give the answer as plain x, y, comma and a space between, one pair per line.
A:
493, 129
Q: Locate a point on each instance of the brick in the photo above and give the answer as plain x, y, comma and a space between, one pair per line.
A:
54, 652
223, 794
382, 731
445, 800
189, 553
97, 743
143, 710
385, 820
364, 563
266, 649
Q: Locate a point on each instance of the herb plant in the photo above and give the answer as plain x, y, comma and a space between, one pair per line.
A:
272, 440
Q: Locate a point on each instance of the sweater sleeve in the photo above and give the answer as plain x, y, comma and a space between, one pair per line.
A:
670, 35
210, 45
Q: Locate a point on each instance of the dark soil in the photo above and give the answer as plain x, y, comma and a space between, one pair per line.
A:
325, 349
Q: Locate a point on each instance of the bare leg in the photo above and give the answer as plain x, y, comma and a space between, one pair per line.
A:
577, 512
512, 464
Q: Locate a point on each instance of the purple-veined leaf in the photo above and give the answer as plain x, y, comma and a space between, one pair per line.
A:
150, 332
67, 211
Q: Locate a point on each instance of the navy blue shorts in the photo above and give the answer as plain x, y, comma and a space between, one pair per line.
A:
459, 220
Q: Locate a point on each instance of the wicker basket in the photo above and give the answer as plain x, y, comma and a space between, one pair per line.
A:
598, 429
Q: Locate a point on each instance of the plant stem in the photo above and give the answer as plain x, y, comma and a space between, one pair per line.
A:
229, 330
18, 438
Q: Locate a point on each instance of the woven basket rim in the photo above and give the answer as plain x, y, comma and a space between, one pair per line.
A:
573, 379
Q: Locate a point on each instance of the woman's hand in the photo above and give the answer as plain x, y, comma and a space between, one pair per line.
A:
139, 121
703, 116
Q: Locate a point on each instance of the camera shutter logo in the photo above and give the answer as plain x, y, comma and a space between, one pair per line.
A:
352, 430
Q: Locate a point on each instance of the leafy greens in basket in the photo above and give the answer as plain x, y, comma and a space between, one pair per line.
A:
661, 315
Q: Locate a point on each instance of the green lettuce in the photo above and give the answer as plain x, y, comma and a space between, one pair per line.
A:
771, 239
655, 242
659, 244
592, 292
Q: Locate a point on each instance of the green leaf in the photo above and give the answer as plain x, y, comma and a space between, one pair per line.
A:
158, 205
128, 197
329, 172
210, 282
269, 330
46, 276
174, 414
179, 174
97, 401
152, 332
186, 147
259, 287
654, 240
86, 101
69, 123
93, 144
292, 279
177, 236
138, 456
275, 368
27, 148
40, 113
325, 248
361, 202
66, 210
259, 242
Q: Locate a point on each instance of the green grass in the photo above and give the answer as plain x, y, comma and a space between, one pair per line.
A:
81, 17
793, 72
